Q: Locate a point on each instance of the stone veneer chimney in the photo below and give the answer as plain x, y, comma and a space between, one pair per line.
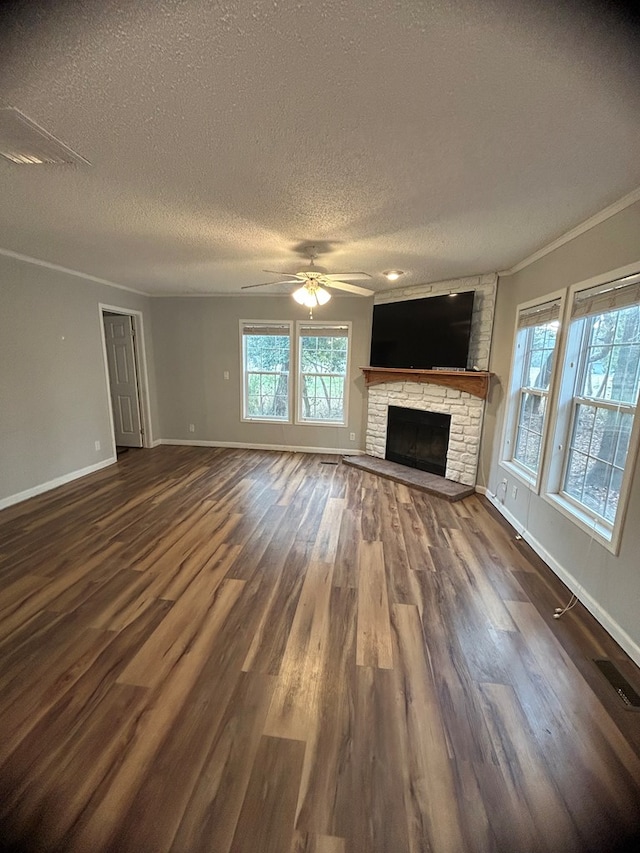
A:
466, 410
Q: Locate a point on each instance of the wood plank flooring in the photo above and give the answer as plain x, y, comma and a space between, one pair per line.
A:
261, 652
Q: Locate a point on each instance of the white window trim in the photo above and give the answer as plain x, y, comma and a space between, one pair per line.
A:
295, 395
244, 418
609, 536
299, 420
531, 480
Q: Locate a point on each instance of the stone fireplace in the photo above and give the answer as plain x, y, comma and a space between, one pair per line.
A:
464, 409
465, 427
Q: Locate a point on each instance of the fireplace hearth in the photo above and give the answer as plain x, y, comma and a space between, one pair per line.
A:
418, 439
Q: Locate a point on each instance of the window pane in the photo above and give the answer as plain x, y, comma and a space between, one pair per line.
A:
614, 495
596, 482
531, 381
323, 367
597, 456
266, 352
529, 429
266, 365
583, 427
324, 354
322, 398
624, 436
611, 361
576, 471
541, 341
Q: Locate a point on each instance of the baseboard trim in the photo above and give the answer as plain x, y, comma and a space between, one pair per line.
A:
241, 445
53, 484
597, 611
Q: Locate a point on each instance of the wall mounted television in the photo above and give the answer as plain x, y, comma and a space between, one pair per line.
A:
427, 333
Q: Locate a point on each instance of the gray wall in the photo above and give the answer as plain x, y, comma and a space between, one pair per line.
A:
609, 585
54, 402
197, 339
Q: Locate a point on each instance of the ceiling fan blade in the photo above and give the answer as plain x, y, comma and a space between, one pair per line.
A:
350, 288
340, 275
279, 272
267, 283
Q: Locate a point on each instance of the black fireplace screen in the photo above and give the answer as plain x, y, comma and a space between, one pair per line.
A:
418, 439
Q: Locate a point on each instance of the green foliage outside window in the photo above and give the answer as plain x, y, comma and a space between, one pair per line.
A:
323, 367
267, 360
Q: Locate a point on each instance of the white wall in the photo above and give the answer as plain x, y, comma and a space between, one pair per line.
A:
197, 339
609, 585
54, 402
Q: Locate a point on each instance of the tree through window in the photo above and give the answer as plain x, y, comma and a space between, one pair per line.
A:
323, 357
604, 406
535, 347
319, 362
266, 352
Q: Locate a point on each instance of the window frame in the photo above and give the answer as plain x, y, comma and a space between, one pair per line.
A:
295, 380
300, 420
531, 479
571, 361
244, 373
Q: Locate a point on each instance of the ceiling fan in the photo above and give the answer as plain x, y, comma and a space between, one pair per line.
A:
313, 282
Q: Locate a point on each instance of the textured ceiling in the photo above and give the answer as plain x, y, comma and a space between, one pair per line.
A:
443, 138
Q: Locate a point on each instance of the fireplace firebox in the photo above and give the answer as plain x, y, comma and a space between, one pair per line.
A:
418, 439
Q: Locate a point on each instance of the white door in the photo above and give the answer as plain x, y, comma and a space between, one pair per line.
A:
123, 379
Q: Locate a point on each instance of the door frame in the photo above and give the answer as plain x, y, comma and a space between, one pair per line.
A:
139, 350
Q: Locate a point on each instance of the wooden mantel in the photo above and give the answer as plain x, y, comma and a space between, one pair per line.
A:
474, 382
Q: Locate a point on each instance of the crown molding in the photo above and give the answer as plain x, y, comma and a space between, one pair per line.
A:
583, 227
27, 259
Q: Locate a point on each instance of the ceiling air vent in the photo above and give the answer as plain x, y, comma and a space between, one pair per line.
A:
24, 142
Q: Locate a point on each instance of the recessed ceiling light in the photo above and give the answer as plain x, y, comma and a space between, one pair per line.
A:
393, 275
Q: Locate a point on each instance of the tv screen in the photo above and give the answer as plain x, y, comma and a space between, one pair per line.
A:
423, 333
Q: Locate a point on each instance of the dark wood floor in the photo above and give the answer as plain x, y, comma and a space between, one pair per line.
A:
223, 650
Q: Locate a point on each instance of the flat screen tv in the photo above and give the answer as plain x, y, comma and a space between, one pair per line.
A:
427, 333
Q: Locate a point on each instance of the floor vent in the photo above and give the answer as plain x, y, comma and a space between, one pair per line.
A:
619, 683
327, 462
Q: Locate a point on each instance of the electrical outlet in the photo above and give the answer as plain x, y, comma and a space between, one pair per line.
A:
352, 436
192, 427
97, 443
226, 374
514, 492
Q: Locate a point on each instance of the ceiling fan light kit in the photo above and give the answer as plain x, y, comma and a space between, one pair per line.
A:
311, 294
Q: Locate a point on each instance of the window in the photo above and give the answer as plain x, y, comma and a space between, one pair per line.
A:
605, 336
596, 435
322, 372
536, 341
266, 359
319, 361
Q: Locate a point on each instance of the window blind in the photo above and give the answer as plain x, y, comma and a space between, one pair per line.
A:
539, 315
606, 297
266, 329
324, 331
